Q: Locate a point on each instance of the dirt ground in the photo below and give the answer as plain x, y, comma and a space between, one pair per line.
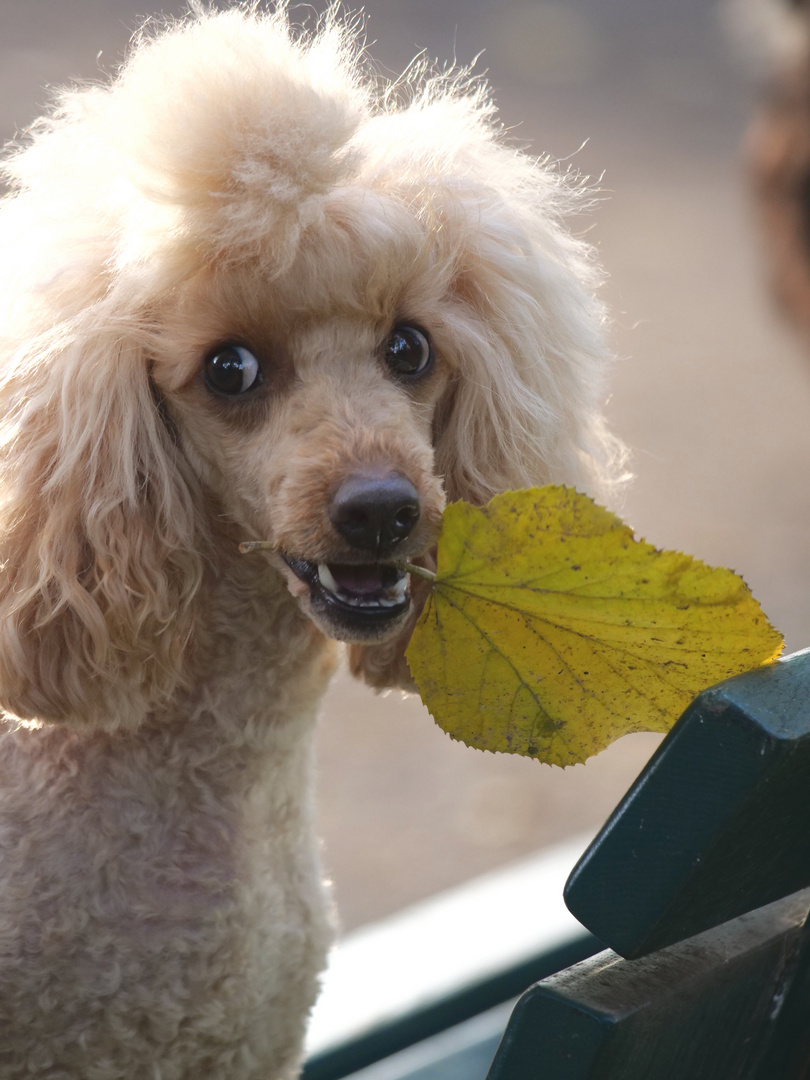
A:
711, 390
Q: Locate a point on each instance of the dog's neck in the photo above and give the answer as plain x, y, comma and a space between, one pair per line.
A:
214, 790
256, 668
257, 665
235, 745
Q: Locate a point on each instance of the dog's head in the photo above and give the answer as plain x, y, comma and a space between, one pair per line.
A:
306, 402
252, 297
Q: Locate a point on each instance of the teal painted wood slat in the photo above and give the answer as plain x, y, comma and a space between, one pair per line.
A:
716, 825
704, 1009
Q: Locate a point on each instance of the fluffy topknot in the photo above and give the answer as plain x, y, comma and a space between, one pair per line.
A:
217, 133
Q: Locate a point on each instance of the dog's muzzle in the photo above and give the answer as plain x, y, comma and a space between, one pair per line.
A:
361, 593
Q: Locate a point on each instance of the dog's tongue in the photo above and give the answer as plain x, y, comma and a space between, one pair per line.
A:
361, 580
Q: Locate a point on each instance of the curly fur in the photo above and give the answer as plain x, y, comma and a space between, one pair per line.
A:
161, 911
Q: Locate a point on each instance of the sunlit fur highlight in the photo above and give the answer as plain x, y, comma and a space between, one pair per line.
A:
161, 911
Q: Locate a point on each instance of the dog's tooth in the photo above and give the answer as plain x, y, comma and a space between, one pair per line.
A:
357, 601
397, 593
326, 579
393, 596
401, 588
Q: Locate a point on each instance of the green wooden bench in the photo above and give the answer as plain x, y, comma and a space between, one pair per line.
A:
696, 884
699, 883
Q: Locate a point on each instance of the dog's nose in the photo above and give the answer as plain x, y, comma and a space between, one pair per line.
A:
373, 511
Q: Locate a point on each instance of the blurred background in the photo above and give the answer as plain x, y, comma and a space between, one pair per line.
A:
711, 388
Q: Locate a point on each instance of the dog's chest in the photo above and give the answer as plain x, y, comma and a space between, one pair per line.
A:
173, 902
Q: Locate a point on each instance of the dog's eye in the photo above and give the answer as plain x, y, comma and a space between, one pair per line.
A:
232, 369
408, 352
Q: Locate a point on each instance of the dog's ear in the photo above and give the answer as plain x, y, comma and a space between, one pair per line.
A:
531, 356
99, 542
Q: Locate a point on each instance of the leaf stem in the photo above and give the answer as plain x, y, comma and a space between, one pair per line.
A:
256, 545
417, 571
267, 545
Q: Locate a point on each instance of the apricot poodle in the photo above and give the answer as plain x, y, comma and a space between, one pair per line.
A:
248, 291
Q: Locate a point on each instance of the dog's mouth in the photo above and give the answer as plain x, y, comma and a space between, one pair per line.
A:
360, 598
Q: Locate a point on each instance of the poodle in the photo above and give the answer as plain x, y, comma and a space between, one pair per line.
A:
249, 291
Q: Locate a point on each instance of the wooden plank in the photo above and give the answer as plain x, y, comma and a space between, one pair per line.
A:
786, 1049
703, 1009
715, 826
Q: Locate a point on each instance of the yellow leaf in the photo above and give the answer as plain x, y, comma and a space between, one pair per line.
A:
551, 631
